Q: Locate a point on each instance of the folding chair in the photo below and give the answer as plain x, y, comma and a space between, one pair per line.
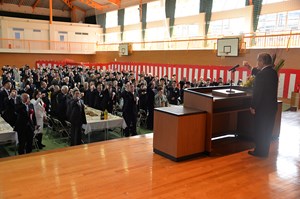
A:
142, 118
48, 124
60, 128
35, 142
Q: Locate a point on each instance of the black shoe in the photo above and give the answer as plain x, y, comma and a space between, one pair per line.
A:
41, 146
253, 153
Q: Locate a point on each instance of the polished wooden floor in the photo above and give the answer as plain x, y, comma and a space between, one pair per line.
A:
127, 168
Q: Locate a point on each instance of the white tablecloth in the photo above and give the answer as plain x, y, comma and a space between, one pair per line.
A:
7, 134
94, 123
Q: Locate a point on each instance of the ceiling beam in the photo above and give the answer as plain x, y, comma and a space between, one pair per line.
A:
115, 2
68, 3
92, 4
21, 2
35, 4
78, 8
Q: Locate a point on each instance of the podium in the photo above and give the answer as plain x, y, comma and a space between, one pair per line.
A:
179, 132
183, 132
226, 115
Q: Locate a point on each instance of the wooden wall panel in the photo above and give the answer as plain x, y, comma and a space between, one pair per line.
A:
197, 57
20, 59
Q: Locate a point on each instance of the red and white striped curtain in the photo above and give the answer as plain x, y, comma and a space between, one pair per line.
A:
288, 78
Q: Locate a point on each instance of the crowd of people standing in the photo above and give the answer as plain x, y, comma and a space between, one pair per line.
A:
27, 95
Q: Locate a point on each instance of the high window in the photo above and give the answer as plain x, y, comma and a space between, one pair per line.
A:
155, 11
222, 5
186, 8
112, 19
282, 21
232, 26
132, 15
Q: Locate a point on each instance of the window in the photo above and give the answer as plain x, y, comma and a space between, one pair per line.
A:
186, 8
155, 11
156, 34
18, 29
186, 31
293, 20
232, 26
132, 15
132, 36
112, 37
222, 5
17, 35
112, 19
81, 33
61, 37
283, 21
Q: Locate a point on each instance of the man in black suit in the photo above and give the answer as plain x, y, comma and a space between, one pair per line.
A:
264, 104
9, 112
150, 104
62, 104
173, 94
130, 110
77, 118
25, 124
44, 90
99, 98
4, 93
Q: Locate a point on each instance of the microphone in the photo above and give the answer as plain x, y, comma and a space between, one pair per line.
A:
233, 68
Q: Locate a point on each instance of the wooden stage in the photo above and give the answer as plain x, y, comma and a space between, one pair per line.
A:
128, 168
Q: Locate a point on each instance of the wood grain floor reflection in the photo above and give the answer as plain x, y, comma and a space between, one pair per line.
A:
127, 168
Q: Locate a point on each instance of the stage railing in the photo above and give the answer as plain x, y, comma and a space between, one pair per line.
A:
247, 41
41, 46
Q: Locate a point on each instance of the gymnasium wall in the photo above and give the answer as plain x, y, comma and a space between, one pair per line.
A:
191, 57
197, 57
20, 59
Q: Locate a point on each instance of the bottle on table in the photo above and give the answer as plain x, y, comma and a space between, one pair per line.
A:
105, 114
101, 115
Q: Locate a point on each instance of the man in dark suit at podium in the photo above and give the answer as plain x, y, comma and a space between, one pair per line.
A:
264, 104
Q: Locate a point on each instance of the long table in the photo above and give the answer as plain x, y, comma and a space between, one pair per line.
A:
7, 134
94, 123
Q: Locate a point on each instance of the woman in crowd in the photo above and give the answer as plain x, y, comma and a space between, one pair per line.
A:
40, 115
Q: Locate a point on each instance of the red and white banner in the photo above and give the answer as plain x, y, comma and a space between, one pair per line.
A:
288, 78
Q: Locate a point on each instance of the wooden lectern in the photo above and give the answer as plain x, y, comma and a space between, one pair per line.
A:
208, 112
226, 115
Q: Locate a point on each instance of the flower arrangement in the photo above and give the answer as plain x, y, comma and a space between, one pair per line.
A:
279, 64
249, 82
